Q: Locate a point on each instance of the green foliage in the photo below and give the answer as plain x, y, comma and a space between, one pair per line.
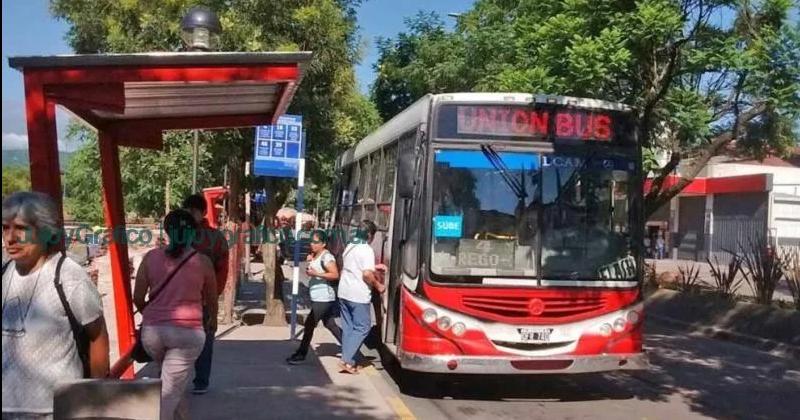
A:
82, 184
16, 178
689, 67
144, 174
335, 114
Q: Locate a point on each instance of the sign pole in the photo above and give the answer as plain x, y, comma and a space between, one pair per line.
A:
249, 226
298, 224
280, 152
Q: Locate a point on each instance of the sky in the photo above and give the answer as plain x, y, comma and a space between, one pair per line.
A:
28, 29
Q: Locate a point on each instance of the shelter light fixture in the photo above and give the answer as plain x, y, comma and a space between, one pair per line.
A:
200, 28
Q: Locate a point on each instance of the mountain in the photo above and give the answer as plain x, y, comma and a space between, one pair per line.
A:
20, 157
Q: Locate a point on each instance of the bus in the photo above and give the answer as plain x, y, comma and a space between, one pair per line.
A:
512, 228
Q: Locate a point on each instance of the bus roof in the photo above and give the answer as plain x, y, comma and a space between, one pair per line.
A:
419, 111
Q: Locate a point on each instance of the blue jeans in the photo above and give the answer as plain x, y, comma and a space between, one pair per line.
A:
356, 322
202, 366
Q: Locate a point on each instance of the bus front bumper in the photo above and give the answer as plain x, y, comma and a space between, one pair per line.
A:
521, 365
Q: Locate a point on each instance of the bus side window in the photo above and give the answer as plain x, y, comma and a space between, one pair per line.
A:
351, 195
411, 247
384, 177
372, 175
385, 193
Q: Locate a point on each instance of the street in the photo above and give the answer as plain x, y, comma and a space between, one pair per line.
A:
691, 377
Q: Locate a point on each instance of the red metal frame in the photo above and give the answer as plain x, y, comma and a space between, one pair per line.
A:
84, 89
118, 252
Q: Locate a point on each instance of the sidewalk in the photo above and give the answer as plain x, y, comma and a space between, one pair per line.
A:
781, 291
251, 380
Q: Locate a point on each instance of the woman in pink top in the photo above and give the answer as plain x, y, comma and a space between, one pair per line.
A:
178, 281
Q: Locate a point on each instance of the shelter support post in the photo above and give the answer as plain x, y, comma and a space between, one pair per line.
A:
118, 247
43, 142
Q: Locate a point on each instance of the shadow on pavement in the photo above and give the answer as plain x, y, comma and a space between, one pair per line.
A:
250, 380
712, 378
718, 378
514, 388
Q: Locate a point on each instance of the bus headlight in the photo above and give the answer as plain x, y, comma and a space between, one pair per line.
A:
605, 330
429, 315
633, 317
444, 323
619, 325
459, 329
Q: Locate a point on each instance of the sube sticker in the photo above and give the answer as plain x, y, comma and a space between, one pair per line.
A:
447, 226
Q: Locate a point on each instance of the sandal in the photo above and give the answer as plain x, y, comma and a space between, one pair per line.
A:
349, 369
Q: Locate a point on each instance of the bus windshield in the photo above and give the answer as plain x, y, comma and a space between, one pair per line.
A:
530, 215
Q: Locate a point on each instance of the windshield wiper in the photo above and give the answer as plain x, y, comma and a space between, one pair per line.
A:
494, 158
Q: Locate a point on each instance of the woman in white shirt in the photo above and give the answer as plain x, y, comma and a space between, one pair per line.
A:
355, 292
39, 348
322, 272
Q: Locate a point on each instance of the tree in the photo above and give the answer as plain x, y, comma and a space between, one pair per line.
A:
82, 184
16, 178
335, 114
144, 173
703, 75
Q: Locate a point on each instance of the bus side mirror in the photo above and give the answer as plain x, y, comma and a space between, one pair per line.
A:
405, 169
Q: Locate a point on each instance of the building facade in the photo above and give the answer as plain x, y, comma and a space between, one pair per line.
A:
729, 205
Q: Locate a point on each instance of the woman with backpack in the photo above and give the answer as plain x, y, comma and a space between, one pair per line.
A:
53, 326
323, 273
178, 281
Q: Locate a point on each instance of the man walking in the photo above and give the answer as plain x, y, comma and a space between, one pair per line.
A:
213, 244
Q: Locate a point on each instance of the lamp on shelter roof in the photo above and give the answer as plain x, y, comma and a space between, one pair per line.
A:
200, 27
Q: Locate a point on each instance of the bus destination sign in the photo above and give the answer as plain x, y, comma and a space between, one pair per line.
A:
526, 122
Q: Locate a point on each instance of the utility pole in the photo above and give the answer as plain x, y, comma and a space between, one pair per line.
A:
195, 152
225, 200
166, 197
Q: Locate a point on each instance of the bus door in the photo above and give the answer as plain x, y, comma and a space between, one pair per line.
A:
403, 253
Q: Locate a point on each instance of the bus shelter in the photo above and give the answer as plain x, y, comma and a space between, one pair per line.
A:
131, 99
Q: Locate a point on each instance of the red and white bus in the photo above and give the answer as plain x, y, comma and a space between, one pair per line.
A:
511, 225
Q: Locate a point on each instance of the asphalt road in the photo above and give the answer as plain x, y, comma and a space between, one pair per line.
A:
691, 377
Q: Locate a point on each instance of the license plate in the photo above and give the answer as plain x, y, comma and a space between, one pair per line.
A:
535, 335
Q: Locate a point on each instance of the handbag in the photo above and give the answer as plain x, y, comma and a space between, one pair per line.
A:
138, 353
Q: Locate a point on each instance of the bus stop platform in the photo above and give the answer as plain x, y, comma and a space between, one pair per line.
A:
251, 379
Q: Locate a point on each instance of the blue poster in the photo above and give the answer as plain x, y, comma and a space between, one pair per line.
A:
262, 148
278, 148
280, 132
294, 133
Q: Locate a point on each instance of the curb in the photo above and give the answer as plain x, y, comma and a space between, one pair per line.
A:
228, 328
772, 347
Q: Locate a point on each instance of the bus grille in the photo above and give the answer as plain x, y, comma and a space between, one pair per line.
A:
554, 308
